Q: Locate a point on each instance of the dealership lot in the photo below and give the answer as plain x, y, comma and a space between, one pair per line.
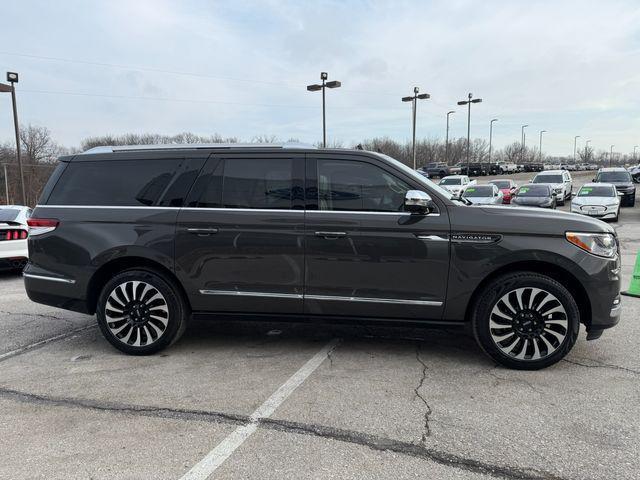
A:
349, 402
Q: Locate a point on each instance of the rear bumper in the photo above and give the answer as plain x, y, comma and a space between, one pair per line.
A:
53, 289
14, 249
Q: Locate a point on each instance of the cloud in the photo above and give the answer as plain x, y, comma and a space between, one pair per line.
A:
568, 67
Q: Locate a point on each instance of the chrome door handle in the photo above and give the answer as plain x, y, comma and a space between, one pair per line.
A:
202, 231
331, 235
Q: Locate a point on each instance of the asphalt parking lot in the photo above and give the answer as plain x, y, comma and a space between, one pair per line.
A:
274, 401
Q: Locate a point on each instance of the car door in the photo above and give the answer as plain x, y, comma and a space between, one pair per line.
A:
365, 256
240, 238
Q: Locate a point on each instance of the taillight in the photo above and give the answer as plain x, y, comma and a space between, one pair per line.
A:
38, 226
13, 234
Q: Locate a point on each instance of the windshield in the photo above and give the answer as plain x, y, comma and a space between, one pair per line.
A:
502, 183
9, 214
481, 191
614, 177
597, 192
533, 191
418, 177
451, 181
548, 179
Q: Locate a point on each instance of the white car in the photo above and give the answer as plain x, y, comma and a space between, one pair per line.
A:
599, 200
13, 236
560, 181
456, 184
483, 195
507, 168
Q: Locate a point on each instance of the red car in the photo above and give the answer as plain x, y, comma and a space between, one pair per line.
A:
507, 187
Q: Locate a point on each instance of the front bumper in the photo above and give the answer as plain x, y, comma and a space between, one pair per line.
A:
603, 290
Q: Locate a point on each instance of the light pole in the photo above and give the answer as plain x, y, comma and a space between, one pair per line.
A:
12, 78
6, 183
540, 147
468, 102
446, 142
523, 138
323, 86
414, 104
575, 144
611, 154
491, 135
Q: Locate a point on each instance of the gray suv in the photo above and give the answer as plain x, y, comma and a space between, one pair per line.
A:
149, 237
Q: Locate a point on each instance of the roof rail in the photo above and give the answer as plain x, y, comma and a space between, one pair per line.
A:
191, 146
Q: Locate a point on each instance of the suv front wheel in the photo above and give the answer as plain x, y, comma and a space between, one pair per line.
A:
526, 321
140, 312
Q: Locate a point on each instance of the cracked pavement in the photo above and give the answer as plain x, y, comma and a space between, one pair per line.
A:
386, 403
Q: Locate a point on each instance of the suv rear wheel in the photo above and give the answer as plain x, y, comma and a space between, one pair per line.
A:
140, 312
526, 321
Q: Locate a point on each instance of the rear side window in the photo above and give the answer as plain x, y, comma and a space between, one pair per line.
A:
114, 182
254, 183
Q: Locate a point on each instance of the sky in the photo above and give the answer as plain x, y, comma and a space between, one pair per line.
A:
240, 68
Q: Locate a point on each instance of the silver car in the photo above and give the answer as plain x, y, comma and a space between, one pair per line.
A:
599, 200
483, 195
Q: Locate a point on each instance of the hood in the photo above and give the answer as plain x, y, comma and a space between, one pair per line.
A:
481, 200
624, 184
532, 200
518, 220
594, 200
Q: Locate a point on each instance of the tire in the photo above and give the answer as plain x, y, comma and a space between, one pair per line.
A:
560, 202
140, 312
536, 343
443, 174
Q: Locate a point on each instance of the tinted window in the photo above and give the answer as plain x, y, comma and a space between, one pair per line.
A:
597, 191
9, 214
358, 186
614, 177
451, 181
114, 182
548, 179
481, 191
533, 191
502, 183
249, 183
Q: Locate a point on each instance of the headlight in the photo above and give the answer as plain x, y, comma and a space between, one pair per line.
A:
613, 205
600, 244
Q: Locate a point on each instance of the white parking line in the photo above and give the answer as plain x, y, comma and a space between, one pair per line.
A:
216, 457
26, 348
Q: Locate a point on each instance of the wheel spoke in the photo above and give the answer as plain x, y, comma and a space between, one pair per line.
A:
132, 318
528, 323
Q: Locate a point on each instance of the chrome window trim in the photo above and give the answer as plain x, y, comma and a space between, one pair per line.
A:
49, 278
396, 301
271, 210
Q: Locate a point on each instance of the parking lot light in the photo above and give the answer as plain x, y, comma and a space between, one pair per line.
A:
468, 102
575, 144
446, 142
491, 135
540, 147
611, 154
323, 86
523, 141
12, 78
414, 104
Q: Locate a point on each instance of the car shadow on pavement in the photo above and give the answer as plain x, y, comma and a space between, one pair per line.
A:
456, 344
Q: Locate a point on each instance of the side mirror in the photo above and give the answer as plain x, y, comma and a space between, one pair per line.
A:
418, 202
